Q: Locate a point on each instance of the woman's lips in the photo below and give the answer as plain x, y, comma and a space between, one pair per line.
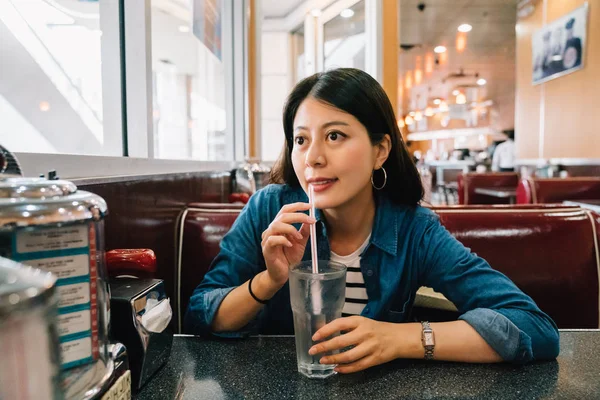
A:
321, 186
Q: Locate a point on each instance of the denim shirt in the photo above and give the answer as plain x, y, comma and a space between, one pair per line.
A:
409, 248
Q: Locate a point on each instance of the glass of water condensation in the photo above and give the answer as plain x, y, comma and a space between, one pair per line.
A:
317, 299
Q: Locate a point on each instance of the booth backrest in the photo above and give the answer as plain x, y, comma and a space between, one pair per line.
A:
198, 236
467, 183
514, 207
557, 190
144, 211
551, 253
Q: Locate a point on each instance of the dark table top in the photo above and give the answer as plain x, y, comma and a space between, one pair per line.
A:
265, 368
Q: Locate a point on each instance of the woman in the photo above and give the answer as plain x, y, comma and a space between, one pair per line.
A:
341, 136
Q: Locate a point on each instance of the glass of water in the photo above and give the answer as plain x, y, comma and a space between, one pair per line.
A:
317, 299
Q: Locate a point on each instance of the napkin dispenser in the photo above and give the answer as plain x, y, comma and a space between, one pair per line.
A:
140, 315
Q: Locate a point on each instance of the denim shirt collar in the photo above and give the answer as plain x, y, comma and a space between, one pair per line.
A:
385, 224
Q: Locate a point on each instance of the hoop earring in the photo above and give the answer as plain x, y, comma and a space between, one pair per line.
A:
384, 179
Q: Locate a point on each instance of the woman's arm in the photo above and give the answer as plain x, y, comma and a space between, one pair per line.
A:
454, 341
238, 308
257, 246
374, 342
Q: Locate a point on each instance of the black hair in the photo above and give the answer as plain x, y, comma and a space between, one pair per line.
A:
510, 133
355, 92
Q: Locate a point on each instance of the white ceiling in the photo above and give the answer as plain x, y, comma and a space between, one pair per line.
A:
493, 21
279, 8
339, 27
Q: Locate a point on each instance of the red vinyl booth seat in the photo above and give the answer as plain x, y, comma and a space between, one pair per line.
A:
198, 235
557, 190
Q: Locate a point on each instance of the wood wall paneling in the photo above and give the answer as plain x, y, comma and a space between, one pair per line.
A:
528, 97
562, 113
253, 72
572, 117
390, 50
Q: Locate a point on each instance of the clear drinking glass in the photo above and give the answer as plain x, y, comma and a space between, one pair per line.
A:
317, 299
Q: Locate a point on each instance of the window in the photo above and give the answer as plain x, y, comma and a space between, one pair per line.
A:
189, 80
345, 39
55, 80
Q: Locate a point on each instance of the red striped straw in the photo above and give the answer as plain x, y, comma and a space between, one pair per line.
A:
313, 231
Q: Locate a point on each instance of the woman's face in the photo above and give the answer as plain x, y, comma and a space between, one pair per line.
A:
332, 151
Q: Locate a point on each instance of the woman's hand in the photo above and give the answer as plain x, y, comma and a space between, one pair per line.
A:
282, 244
374, 343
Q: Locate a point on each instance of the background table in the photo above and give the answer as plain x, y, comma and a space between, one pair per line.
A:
500, 192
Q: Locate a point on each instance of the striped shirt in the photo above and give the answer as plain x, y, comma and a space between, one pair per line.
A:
356, 293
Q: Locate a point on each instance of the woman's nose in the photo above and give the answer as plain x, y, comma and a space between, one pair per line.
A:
314, 155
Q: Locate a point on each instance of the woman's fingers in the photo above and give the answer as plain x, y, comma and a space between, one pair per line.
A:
356, 366
283, 225
337, 343
292, 208
279, 228
356, 353
295, 218
337, 325
305, 230
288, 215
274, 241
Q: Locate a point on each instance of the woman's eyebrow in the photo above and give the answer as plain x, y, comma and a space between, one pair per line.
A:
326, 125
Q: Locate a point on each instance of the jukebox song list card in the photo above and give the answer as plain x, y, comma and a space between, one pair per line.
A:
69, 253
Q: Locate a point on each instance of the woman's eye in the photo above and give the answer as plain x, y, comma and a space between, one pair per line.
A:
333, 136
299, 141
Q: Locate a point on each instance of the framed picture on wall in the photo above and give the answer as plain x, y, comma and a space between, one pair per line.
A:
558, 47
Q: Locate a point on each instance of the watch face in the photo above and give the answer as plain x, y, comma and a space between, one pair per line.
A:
428, 338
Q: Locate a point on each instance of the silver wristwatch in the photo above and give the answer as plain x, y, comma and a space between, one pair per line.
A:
428, 340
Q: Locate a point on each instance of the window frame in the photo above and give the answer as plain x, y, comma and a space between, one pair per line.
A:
373, 34
127, 96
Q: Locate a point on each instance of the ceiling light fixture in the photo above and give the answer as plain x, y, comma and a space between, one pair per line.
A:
347, 13
437, 102
465, 28
455, 92
439, 49
481, 81
184, 28
44, 106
